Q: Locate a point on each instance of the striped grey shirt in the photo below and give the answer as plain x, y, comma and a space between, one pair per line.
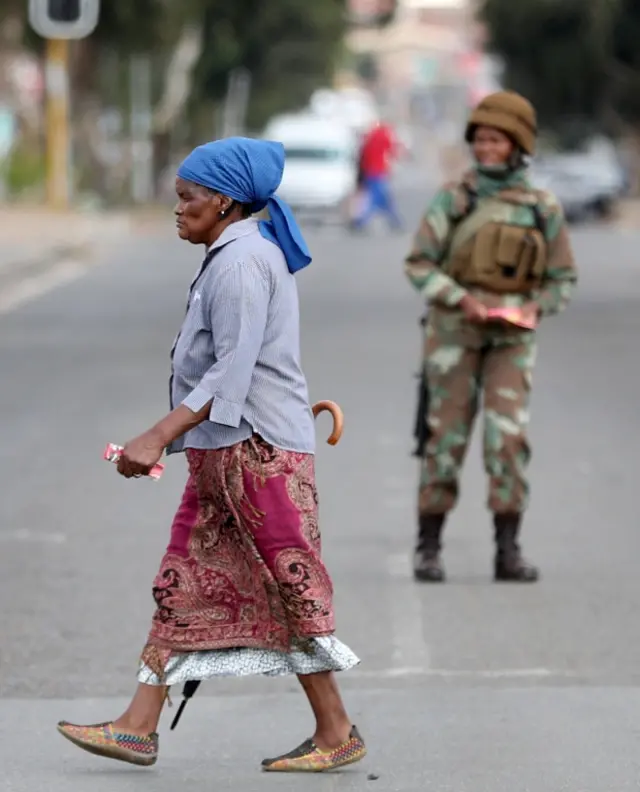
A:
240, 345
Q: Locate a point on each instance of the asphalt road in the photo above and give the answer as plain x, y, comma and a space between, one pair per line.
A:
468, 686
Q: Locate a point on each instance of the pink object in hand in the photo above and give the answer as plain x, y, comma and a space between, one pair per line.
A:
112, 453
512, 316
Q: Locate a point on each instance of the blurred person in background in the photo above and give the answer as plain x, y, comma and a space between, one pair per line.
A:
380, 146
487, 242
242, 588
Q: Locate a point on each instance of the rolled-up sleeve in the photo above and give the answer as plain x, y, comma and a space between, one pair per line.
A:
238, 308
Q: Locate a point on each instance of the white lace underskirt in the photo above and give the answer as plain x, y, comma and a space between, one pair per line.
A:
313, 656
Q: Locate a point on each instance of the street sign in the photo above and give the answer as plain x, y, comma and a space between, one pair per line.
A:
64, 19
64, 10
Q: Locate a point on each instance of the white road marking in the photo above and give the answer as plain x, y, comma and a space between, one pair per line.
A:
399, 566
34, 287
26, 535
409, 646
495, 673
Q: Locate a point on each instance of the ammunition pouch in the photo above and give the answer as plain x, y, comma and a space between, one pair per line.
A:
502, 258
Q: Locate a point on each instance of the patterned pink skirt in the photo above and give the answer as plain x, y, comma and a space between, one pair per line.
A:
243, 569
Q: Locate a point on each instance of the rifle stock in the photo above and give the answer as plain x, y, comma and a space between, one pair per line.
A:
421, 427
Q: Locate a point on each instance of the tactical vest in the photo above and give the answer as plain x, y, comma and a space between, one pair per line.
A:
487, 250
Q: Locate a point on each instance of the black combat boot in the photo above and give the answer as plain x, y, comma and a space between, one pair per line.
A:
509, 563
426, 560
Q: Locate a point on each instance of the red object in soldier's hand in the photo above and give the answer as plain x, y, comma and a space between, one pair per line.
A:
513, 316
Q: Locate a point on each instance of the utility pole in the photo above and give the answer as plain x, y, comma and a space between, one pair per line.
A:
141, 120
59, 21
236, 102
57, 119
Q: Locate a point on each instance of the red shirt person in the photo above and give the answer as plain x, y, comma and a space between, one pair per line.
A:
378, 149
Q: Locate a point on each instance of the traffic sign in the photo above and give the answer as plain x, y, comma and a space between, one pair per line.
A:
64, 19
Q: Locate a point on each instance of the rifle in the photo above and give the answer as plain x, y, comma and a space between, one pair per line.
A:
421, 427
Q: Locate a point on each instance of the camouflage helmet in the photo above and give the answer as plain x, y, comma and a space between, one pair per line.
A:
510, 113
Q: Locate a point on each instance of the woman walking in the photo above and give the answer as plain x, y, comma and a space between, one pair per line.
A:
491, 241
242, 588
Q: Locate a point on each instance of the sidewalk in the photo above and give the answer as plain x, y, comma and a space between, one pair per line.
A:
34, 233
41, 250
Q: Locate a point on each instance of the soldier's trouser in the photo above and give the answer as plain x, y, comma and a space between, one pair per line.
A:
465, 364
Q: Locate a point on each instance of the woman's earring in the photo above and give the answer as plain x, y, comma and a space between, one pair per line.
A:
225, 212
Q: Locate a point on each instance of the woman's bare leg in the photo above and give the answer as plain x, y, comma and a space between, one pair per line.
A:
132, 738
143, 713
333, 725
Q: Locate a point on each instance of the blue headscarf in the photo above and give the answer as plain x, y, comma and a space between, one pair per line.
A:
250, 171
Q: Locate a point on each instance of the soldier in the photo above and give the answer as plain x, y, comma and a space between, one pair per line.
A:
488, 241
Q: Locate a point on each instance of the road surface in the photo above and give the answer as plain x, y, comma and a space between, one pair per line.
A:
467, 687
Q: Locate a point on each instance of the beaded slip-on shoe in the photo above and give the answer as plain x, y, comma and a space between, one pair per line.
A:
308, 758
103, 740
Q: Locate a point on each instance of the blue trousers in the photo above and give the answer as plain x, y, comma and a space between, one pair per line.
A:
378, 198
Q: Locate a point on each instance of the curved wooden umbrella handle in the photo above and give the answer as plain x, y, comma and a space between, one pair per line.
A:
336, 414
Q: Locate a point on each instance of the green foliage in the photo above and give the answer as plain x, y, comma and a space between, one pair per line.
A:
625, 66
572, 58
289, 46
23, 170
549, 52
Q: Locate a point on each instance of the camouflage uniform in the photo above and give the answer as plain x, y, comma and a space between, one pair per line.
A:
465, 362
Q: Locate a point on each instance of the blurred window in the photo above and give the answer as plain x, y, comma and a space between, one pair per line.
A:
318, 154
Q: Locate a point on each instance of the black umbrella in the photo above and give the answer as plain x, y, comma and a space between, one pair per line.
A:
187, 692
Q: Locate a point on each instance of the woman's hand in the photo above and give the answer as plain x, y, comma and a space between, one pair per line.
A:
141, 454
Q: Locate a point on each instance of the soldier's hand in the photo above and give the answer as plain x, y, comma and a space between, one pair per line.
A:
473, 309
531, 313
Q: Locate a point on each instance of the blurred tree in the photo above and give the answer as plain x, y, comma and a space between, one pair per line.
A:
558, 53
624, 67
575, 59
289, 47
578, 61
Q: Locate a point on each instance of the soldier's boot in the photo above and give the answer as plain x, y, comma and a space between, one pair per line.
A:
427, 567
509, 565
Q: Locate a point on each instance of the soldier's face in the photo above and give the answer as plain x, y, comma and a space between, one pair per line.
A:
491, 147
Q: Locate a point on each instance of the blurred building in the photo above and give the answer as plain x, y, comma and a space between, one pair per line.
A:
369, 12
429, 63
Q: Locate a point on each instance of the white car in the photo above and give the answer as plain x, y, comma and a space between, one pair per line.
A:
321, 168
